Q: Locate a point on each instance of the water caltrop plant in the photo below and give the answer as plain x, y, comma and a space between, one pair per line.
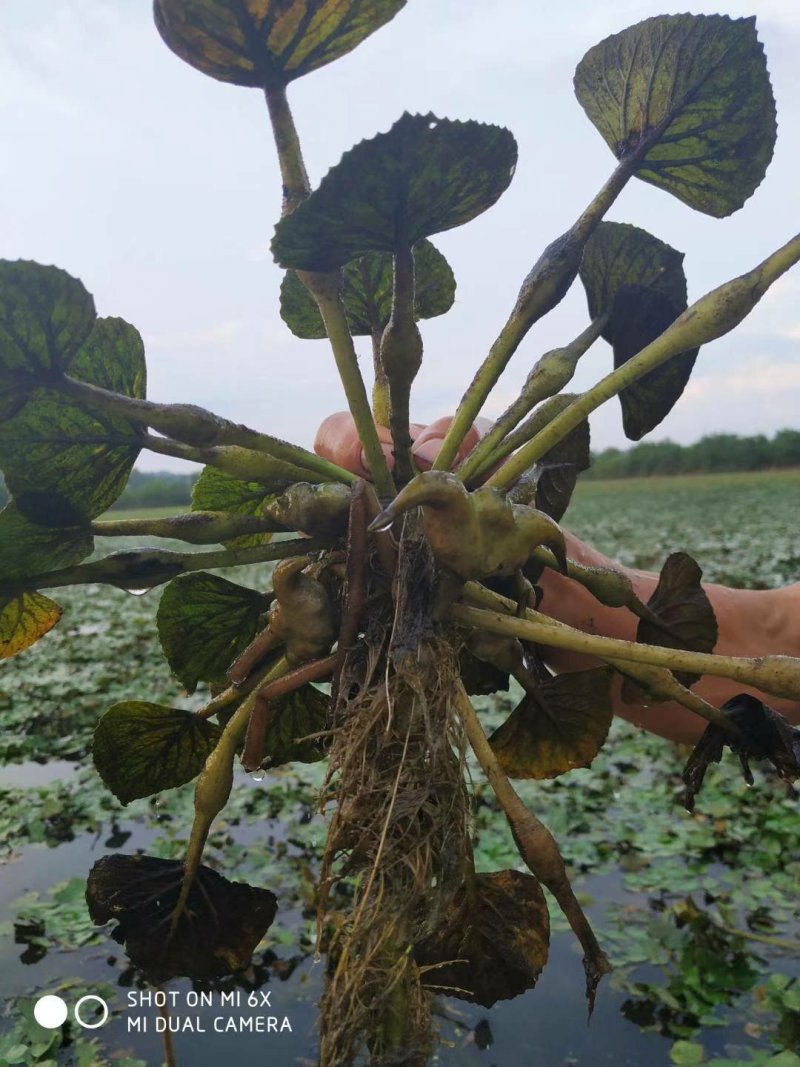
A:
412, 592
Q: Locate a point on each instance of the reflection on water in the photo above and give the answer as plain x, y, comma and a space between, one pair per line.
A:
30, 775
546, 1027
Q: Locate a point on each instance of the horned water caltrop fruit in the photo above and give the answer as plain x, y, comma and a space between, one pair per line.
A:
401, 601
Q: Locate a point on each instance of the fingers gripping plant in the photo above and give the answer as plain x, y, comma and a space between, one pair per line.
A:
411, 594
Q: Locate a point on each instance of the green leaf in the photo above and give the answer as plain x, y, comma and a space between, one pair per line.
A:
687, 1053
216, 491
638, 317
618, 256
690, 94
23, 620
424, 176
266, 43
218, 931
638, 281
27, 549
687, 618
494, 941
45, 316
479, 677
561, 726
141, 748
64, 465
204, 622
296, 716
367, 294
551, 482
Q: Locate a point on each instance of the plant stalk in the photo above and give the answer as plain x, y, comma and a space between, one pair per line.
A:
194, 426
194, 527
712, 316
542, 290
296, 186
325, 290
779, 675
657, 680
535, 843
213, 789
549, 376
401, 356
142, 569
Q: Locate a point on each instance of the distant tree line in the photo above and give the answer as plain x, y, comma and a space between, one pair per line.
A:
712, 454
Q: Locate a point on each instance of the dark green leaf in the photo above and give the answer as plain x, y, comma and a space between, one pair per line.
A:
691, 94
45, 316
216, 491
764, 734
687, 618
23, 620
618, 256
264, 43
479, 677
367, 294
27, 549
424, 176
64, 465
560, 727
494, 941
556, 473
204, 622
638, 281
638, 317
294, 717
218, 930
141, 748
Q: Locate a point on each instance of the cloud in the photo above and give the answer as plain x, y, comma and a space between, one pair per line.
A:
764, 377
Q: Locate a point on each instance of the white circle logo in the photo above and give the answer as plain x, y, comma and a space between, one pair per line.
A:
84, 1000
50, 1012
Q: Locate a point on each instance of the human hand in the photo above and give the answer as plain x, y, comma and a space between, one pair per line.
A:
337, 440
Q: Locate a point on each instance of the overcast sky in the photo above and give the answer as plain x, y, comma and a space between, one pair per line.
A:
159, 188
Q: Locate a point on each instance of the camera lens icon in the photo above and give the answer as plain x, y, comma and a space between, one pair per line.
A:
51, 1011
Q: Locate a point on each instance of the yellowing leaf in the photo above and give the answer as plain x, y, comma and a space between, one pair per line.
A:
267, 43
23, 620
141, 748
690, 94
561, 726
494, 941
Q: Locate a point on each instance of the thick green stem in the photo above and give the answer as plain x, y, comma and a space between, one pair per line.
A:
401, 356
234, 693
657, 680
198, 428
542, 290
214, 787
296, 186
194, 527
143, 569
325, 289
779, 675
535, 843
548, 377
712, 316
241, 463
381, 406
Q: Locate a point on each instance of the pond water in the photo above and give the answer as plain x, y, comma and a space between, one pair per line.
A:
547, 1026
